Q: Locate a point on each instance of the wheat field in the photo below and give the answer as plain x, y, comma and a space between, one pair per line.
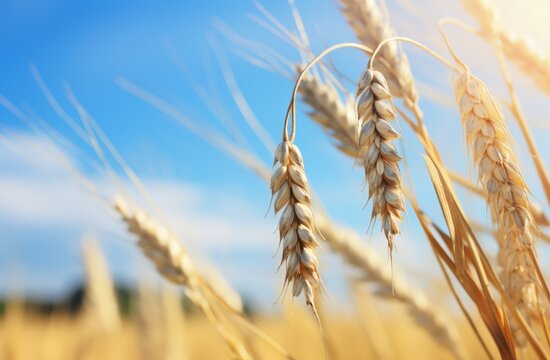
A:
448, 260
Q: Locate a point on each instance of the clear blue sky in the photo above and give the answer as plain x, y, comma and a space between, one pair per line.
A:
88, 45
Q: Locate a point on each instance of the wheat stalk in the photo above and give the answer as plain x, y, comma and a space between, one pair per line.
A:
296, 227
371, 27
101, 306
174, 324
148, 322
160, 322
380, 158
507, 193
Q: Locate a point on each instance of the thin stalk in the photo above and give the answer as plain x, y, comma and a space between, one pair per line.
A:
291, 107
515, 108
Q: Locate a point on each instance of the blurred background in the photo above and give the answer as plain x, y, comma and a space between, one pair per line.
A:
178, 50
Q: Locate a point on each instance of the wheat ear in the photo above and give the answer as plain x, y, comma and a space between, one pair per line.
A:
375, 112
173, 263
296, 227
348, 243
336, 117
507, 193
367, 21
159, 245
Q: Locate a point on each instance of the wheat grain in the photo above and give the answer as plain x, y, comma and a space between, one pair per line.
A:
367, 21
296, 226
507, 194
380, 158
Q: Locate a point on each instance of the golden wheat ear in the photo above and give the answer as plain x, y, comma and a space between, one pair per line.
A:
507, 193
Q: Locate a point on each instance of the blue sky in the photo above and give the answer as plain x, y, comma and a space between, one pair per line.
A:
211, 200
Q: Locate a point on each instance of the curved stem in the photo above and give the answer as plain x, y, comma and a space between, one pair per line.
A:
460, 24
515, 108
291, 107
417, 44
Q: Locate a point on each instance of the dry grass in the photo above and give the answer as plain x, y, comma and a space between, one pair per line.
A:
57, 338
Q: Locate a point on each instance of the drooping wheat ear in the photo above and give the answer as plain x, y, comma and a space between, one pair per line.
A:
357, 254
375, 112
389, 284
101, 306
296, 226
331, 113
371, 27
507, 193
532, 60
